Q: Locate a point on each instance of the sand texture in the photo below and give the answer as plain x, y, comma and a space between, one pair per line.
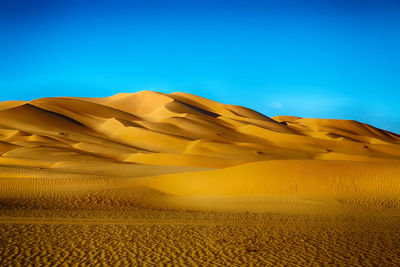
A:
176, 179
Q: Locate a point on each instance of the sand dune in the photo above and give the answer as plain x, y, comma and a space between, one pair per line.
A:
275, 178
228, 182
128, 126
147, 133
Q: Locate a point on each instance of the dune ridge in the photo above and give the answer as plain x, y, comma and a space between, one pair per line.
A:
128, 127
183, 145
179, 180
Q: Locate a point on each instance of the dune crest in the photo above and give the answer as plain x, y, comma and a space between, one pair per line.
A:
126, 127
184, 145
180, 180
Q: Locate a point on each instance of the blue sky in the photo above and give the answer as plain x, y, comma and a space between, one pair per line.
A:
323, 59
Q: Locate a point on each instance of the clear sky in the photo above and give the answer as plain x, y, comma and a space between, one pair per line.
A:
324, 59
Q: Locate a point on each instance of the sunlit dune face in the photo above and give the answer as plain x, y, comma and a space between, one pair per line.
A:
180, 130
180, 180
183, 145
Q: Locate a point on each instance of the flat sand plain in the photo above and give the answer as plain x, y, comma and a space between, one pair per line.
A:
152, 179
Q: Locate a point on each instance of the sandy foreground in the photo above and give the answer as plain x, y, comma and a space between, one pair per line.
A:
153, 179
79, 225
203, 239
100, 222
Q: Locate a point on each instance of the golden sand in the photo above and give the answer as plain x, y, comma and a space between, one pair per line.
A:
176, 179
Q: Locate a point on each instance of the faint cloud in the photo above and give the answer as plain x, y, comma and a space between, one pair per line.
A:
276, 105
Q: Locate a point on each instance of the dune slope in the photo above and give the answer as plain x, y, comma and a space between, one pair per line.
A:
183, 145
180, 180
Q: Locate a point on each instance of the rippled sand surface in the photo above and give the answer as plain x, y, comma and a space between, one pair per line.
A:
200, 238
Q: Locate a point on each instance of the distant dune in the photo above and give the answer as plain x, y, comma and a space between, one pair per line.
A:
186, 146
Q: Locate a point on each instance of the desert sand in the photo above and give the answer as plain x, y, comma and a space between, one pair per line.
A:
179, 180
